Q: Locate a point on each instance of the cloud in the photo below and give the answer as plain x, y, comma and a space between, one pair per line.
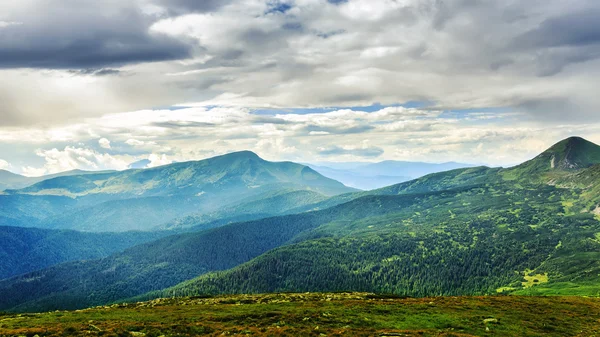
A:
71, 158
134, 142
4, 165
4, 24
116, 69
104, 143
158, 160
579, 28
91, 58
398, 133
83, 34
177, 7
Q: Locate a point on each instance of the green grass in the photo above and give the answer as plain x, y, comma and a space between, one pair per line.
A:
316, 314
563, 288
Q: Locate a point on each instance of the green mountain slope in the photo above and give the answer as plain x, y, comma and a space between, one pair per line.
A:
257, 207
494, 235
30, 211
174, 259
145, 199
24, 250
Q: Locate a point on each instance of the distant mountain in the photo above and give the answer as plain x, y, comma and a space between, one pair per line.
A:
376, 175
140, 164
256, 207
144, 199
24, 250
12, 180
9, 180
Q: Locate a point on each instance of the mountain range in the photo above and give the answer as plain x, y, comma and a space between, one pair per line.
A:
154, 198
529, 229
368, 176
9, 180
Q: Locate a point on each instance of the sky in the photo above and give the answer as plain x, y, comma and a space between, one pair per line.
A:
100, 84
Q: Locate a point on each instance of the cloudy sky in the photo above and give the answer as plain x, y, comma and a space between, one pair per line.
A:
99, 84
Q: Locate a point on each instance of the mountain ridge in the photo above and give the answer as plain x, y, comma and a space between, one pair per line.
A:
142, 199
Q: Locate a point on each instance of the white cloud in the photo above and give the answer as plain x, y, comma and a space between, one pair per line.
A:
104, 143
134, 142
4, 165
4, 24
165, 136
72, 158
158, 160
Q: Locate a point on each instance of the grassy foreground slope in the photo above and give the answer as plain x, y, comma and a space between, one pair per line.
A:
316, 314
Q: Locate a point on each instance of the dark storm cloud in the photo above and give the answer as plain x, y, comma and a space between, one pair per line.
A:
270, 120
178, 7
84, 35
337, 2
572, 29
97, 72
562, 40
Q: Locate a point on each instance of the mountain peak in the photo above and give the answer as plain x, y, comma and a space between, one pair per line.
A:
569, 154
247, 153
242, 155
573, 153
571, 142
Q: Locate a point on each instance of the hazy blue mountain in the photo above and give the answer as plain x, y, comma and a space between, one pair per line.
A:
256, 207
144, 199
9, 180
140, 164
368, 176
410, 169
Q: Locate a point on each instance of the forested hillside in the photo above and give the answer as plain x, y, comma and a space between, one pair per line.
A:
492, 235
24, 250
174, 259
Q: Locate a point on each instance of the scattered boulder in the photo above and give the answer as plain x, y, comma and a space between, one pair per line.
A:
490, 321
